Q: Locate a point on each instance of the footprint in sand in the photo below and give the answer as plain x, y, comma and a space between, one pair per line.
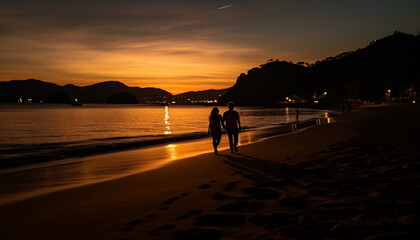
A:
219, 220
201, 233
232, 185
191, 214
130, 225
272, 184
162, 229
170, 200
220, 196
295, 203
236, 173
215, 180
275, 220
204, 186
135, 222
261, 193
126, 229
151, 216
242, 206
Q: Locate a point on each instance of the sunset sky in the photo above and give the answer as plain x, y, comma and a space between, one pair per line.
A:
181, 45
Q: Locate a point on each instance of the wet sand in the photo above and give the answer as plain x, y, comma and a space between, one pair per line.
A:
355, 178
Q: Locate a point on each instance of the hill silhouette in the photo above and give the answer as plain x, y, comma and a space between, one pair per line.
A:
365, 74
38, 91
197, 97
33, 89
58, 97
122, 98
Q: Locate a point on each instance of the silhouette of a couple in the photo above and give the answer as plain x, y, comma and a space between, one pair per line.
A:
230, 121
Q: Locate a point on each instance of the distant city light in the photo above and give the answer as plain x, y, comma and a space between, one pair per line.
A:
414, 101
316, 101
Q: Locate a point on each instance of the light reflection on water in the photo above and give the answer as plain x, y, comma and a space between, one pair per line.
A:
167, 123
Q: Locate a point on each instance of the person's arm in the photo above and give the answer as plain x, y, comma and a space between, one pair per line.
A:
209, 128
222, 121
239, 124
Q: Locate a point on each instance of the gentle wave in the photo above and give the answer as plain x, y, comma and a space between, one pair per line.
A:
21, 155
13, 155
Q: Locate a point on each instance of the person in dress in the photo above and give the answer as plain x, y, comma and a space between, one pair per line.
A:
215, 127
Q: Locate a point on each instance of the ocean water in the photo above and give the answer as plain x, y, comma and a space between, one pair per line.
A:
31, 133
47, 148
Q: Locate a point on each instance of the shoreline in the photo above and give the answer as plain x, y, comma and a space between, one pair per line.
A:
345, 179
49, 152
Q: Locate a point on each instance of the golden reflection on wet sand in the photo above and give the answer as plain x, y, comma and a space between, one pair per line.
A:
172, 151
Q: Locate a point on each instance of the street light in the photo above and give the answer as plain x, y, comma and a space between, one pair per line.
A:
388, 95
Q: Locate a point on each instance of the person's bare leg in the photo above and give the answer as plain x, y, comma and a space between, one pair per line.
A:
230, 142
216, 142
215, 145
235, 136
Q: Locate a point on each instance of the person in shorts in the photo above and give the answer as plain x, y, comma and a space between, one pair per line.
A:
232, 125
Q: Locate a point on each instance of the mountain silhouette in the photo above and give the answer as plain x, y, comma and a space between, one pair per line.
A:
122, 98
33, 89
268, 84
365, 74
197, 97
38, 91
58, 97
100, 92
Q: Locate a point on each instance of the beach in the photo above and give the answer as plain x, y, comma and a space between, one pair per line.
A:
355, 178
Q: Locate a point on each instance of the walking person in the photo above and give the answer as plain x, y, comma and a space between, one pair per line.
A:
215, 129
232, 124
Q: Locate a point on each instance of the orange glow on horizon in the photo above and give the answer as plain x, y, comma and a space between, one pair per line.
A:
176, 67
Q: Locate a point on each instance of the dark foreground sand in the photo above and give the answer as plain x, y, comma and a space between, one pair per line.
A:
356, 178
